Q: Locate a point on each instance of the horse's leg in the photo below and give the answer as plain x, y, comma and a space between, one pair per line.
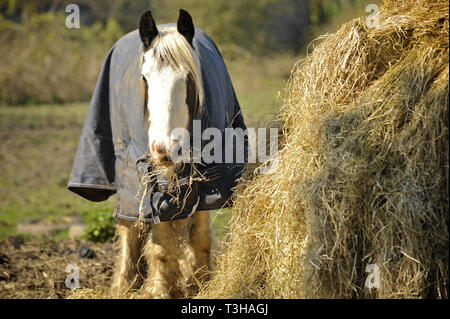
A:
126, 274
200, 240
190, 252
162, 252
187, 260
178, 254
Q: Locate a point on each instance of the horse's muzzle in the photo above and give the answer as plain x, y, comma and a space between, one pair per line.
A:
161, 154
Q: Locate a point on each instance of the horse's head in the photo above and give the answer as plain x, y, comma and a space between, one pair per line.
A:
174, 89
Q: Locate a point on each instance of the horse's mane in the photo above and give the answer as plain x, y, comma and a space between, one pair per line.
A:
169, 47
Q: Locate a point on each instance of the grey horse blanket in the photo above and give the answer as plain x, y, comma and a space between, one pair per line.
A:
114, 136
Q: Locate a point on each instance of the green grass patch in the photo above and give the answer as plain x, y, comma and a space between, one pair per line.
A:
221, 222
99, 225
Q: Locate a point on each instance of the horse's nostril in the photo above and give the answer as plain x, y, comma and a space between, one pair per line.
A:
159, 148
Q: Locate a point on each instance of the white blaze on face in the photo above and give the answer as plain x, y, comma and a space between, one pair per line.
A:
167, 107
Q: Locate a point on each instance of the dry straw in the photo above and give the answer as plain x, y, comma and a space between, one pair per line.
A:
363, 170
88, 293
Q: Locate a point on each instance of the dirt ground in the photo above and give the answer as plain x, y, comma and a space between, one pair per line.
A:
36, 268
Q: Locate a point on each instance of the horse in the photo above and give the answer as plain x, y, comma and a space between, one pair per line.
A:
159, 85
168, 259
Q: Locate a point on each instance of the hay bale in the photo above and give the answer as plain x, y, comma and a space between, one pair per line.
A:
363, 170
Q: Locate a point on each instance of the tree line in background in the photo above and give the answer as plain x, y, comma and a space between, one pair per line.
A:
45, 62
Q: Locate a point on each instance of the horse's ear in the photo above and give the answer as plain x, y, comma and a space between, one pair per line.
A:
185, 25
147, 28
